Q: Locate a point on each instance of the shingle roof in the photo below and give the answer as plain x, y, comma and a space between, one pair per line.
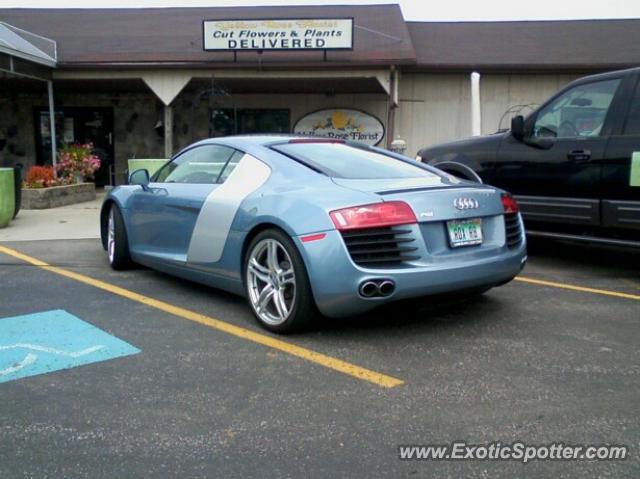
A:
533, 45
150, 35
173, 36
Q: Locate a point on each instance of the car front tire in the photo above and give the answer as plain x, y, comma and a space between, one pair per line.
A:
117, 244
277, 284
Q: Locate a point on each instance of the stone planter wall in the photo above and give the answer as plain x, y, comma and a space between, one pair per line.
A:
43, 198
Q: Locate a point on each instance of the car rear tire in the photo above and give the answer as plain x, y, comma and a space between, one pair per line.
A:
277, 284
117, 244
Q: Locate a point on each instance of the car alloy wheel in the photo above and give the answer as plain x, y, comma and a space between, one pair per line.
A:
271, 282
111, 236
116, 240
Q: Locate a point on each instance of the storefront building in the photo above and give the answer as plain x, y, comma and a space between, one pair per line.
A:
144, 83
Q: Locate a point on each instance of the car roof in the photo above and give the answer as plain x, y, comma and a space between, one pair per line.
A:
254, 143
605, 76
267, 140
257, 139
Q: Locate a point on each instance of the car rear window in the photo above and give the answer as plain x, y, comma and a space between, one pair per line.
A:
340, 160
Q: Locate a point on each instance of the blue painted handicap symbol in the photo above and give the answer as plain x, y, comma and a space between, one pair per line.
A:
53, 340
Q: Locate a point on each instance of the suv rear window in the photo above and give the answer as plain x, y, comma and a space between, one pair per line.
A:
340, 160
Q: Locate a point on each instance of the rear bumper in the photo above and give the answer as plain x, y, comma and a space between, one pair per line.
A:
335, 278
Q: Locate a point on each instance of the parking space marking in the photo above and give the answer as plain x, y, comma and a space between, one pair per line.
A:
329, 362
572, 287
41, 343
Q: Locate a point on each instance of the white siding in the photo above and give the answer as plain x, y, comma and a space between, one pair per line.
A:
433, 108
500, 92
436, 108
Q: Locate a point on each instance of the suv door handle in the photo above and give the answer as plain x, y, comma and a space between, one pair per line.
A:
579, 155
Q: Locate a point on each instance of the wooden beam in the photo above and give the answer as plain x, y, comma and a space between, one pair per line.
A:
168, 131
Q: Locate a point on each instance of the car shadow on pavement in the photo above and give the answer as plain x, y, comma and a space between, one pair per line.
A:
441, 312
424, 314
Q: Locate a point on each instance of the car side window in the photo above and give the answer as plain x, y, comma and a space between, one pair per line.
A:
632, 126
579, 112
231, 165
199, 165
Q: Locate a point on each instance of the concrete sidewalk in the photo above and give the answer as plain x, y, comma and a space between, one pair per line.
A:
78, 221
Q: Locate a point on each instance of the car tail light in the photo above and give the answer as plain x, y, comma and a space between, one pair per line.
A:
377, 215
510, 204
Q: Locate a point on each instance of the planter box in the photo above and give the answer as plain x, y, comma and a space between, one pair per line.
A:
43, 198
7, 196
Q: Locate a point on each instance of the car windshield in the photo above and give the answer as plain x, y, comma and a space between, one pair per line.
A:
340, 160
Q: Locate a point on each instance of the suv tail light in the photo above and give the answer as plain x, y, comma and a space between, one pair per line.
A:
510, 204
390, 213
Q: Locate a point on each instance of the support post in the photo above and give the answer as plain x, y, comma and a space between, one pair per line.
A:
168, 131
52, 123
393, 104
476, 118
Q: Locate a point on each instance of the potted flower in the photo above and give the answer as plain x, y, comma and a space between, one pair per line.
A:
49, 187
41, 177
77, 163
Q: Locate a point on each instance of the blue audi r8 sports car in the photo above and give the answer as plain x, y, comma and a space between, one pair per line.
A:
305, 225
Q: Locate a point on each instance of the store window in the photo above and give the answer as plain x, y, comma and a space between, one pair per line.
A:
222, 122
229, 121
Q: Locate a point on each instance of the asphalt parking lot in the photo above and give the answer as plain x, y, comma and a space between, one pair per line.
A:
208, 394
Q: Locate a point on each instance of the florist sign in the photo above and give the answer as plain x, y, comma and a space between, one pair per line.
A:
341, 124
290, 34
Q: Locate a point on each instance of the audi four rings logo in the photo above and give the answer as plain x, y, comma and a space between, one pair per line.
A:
466, 203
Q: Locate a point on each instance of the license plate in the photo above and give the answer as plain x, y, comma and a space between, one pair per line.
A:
465, 232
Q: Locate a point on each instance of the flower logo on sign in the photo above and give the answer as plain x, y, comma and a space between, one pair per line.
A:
338, 120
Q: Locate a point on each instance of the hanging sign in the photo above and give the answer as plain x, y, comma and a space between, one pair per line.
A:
289, 34
342, 124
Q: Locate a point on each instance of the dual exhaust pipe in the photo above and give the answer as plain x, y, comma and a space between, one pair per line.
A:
377, 288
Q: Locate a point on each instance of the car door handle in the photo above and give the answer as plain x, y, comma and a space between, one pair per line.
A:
579, 155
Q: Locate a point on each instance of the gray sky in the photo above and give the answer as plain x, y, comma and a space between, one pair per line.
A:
467, 10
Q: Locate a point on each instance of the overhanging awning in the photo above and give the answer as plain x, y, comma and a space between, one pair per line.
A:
26, 54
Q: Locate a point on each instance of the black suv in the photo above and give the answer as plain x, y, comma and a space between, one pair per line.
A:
573, 164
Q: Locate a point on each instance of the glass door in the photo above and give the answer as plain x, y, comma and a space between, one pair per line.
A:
77, 125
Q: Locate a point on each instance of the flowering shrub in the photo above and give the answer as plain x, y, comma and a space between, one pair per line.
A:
40, 177
77, 160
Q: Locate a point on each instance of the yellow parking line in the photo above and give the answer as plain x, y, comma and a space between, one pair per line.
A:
583, 289
336, 364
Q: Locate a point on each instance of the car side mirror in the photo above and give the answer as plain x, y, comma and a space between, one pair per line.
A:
140, 177
517, 127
